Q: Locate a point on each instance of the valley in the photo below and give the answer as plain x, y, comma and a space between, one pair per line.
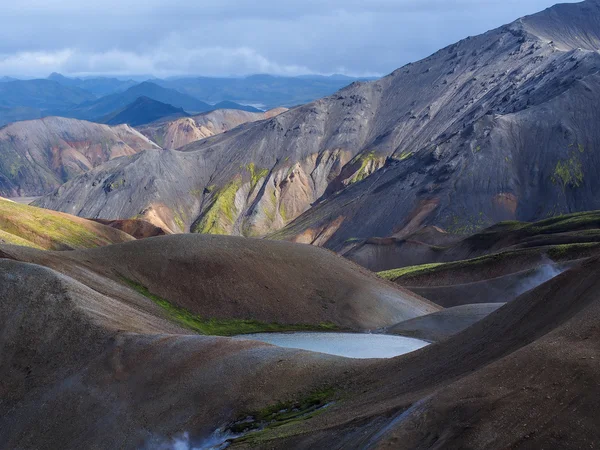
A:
404, 262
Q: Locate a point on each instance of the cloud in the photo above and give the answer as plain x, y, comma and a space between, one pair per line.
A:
237, 37
163, 61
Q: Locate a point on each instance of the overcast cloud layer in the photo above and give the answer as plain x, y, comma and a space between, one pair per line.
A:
238, 37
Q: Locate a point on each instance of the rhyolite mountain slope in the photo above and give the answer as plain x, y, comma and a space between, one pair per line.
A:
178, 133
498, 126
142, 111
37, 156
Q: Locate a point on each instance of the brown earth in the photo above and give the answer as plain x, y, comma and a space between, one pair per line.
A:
229, 277
139, 229
526, 376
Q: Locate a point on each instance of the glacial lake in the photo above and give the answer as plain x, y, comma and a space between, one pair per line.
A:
350, 345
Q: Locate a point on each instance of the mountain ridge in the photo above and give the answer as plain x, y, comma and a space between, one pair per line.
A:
451, 140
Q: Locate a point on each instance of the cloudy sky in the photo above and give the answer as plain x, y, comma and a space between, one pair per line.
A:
237, 37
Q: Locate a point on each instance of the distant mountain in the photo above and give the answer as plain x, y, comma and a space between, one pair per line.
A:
178, 133
268, 90
31, 99
142, 111
98, 86
5, 79
42, 94
502, 126
100, 108
37, 156
8, 115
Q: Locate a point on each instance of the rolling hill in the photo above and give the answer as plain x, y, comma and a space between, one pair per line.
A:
87, 334
42, 229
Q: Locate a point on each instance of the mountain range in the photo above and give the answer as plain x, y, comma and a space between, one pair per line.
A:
37, 156
161, 305
479, 132
95, 98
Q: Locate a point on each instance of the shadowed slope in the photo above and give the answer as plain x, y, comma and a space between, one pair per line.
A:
94, 360
441, 325
236, 278
525, 376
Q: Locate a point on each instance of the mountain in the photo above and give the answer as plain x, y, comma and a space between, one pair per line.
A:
102, 107
43, 94
268, 90
5, 79
98, 86
37, 156
180, 132
31, 99
481, 131
142, 111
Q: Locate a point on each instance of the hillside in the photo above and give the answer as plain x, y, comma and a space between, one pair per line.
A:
178, 133
142, 111
39, 228
294, 284
83, 327
37, 156
477, 133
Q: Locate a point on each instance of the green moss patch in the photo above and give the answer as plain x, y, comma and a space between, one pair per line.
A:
38, 227
222, 212
557, 253
279, 420
397, 273
256, 174
221, 327
366, 160
568, 173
